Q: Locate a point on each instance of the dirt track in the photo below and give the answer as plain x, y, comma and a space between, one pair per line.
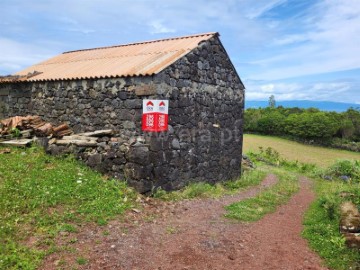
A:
195, 235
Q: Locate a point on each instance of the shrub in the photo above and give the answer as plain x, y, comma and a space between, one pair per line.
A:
345, 168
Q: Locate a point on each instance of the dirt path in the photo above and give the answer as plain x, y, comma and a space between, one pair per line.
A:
195, 235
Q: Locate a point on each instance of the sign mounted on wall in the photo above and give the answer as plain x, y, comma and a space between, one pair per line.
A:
155, 115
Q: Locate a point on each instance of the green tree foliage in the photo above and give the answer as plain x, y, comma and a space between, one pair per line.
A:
304, 124
347, 128
272, 123
354, 116
251, 118
311, 125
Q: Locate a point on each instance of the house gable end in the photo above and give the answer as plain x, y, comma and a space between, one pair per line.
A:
208, 63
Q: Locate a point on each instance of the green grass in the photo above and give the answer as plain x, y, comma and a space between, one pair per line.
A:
42, 195
292, 151
265, 202
205, 190
321, 224
81, 261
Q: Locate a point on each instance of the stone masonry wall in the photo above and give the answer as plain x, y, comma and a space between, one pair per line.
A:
204, 141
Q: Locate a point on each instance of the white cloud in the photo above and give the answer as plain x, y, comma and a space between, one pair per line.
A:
259, 7
83, 24
157, 27
302, 91
290, 39
330, 43
263, 39
15, 55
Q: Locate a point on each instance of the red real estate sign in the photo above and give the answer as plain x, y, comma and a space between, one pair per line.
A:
155, 115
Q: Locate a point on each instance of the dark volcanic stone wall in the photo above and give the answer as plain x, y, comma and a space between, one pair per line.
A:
204, 141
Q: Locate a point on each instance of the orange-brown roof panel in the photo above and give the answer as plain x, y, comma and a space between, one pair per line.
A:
136, 59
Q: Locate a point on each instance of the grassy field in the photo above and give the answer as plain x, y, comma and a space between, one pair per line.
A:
42, 196
291, 150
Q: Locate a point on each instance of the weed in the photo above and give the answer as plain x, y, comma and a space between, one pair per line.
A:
73, 240
68, 228
331, 206
345, 169
81, 261
171, 230
105, 233
102, 222
149, 218
15, 132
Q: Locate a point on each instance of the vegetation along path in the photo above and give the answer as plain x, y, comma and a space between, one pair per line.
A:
194, 234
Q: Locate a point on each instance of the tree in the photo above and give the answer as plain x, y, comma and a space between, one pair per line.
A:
354, 116
347, 129
251, 119
272, 122
312, 125
272, 102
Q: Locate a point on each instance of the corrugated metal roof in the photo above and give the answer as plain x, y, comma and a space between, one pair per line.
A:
136, 59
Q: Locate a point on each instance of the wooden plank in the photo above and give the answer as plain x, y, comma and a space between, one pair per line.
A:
78, 137
97, 133
20, 142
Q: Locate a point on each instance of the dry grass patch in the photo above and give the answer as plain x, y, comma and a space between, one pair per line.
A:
291, 150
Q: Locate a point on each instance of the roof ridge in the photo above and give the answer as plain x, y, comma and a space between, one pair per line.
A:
145, 42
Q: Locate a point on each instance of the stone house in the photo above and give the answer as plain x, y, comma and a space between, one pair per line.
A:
103, 88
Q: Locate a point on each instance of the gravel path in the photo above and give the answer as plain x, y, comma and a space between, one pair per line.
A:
194, 234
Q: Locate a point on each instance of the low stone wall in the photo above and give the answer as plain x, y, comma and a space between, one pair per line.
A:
204, 141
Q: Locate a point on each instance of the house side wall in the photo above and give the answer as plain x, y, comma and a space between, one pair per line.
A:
204, 141
206, 116
86, 105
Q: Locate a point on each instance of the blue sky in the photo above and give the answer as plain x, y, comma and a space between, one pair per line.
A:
303, 49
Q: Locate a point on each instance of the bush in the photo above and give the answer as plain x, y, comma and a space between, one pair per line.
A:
345, 144
331, 206
268, 155
346, 170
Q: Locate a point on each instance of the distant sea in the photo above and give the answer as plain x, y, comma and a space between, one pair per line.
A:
321, 105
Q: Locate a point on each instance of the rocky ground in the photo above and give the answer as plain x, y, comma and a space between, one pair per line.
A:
193, 234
